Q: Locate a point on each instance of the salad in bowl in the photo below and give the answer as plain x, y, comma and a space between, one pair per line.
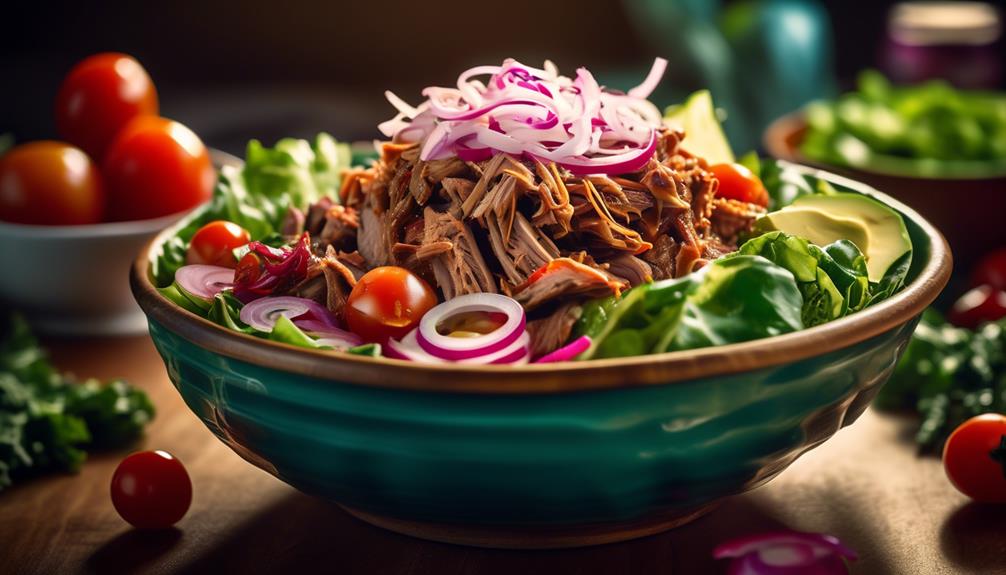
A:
541, 314
524, 216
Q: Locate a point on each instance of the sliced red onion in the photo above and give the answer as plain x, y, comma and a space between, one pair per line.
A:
459, 348
535, 113
408, 348
204, 281
567, 352
786, 553
262, 313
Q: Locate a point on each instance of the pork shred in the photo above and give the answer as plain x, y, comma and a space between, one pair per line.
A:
525, 228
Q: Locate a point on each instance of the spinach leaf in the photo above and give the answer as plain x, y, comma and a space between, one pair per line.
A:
730, 300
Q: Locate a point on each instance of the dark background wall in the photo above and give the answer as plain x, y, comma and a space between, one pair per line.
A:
267, 68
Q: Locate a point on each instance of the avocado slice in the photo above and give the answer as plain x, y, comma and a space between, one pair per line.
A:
704, 136
877, 230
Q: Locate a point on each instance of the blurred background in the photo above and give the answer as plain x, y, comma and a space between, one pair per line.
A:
263, 69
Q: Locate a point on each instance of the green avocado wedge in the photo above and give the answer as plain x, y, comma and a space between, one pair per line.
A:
877, 230
704, 136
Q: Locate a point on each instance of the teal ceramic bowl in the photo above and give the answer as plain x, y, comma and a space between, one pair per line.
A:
539, 456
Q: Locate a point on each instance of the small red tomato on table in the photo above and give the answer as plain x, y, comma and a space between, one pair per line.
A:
977, 306
737, 182
991, 270
974, 458
214, 244
388, 302
99, 97
151, 490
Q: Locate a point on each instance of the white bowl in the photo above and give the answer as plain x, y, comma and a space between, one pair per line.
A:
74, 280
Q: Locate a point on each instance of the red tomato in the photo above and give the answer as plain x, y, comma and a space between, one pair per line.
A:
981, 304
214, 244
151, 490
739, 183
388, 302
975, 458
99, 96
50, 183
991, 270
156, 167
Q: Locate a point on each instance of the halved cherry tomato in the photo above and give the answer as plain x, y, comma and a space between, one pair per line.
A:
991, 270
739, 183
975, 458
979, 305
151, 490
214, 244
156, 167
50, 183
388, 302
99, 96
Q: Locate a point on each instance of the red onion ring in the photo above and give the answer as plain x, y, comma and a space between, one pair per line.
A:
409, 349
455, 348
262, 313
567, 352
785, 552
204, 281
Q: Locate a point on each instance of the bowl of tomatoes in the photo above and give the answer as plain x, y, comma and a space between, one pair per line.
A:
74, 212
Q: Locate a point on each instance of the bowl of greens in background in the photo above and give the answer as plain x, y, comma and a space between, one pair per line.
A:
542, 455
940, 150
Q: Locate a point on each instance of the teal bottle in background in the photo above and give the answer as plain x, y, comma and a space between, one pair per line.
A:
760, 58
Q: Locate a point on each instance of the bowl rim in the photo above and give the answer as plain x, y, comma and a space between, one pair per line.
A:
594, 375
776, 141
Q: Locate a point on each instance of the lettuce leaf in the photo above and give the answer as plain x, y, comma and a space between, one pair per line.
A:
731, 300
258, 194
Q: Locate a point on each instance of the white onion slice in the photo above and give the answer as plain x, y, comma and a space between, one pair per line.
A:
458, 348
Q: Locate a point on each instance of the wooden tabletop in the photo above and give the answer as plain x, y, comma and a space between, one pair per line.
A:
865, 485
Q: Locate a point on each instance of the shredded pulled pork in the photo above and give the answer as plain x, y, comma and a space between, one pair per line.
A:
521, 227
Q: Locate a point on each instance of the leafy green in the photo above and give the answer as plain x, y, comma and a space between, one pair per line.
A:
367, 349
930, 129
257, 195
48, 421
833, 280
730, 300
286, 332
785, 183
948, 375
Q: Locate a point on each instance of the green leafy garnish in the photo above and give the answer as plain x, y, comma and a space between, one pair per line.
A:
49, 422
948, 374
257, 195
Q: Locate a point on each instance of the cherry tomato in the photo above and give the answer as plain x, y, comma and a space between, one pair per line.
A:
214, 244
991, 270
249, 269
979, 305
388, 302
50, 183
975, 458
156, 167
739, 183
99, 96
151, 490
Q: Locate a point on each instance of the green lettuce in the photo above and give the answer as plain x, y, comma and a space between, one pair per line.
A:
257, 195
731, 300
831, 287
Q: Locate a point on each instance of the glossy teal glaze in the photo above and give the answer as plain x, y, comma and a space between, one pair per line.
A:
608, 456
529, 459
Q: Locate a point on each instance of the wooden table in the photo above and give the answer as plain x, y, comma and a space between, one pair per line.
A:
865, 485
